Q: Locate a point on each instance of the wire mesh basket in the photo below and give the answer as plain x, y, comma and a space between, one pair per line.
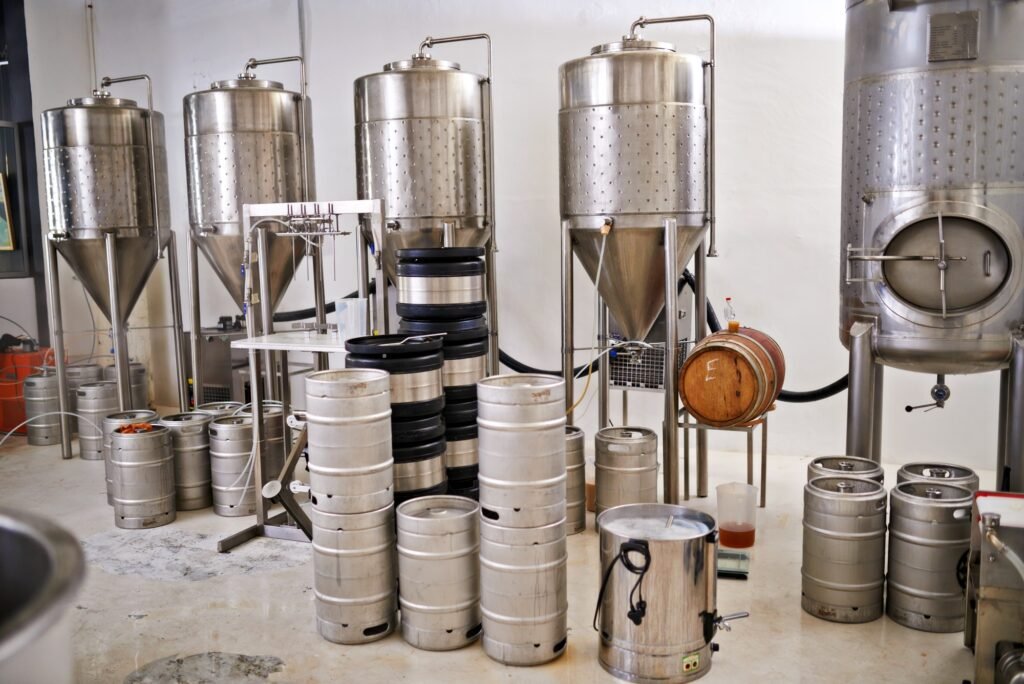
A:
643, 368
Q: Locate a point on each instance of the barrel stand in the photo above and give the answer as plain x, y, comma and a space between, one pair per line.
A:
747, 428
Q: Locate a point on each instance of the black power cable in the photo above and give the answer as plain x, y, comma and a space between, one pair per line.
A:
687, 278
637, 605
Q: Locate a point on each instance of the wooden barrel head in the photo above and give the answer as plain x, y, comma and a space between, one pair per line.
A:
727, 379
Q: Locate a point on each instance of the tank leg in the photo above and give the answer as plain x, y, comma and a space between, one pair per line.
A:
124, 387
176, 332
876, 415
492, 307
57, 341
860, 407
604, 386
567, 321
266, 320
196, 350
1014, 466
1004, 394
320, 361
700, 318
670, 431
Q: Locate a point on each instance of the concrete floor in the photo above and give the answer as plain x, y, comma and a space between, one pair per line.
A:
167, 593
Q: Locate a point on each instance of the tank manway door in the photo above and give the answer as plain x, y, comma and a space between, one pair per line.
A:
943, 264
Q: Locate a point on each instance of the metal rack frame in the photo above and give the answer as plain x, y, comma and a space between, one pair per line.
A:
311, 221
748, 428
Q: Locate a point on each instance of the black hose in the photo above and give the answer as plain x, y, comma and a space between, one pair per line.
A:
306, 314
793, 397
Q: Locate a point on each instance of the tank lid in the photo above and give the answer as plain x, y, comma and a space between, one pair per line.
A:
627, 43
101, 98
246, 83
422, 60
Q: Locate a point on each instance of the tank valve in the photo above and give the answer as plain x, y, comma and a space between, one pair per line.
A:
940, 395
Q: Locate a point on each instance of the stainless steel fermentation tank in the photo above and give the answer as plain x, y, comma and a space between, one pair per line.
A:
105, 166
636, 148
424, 146
247, 141
933, 204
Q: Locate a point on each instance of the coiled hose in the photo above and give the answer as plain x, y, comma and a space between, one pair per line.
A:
687, 279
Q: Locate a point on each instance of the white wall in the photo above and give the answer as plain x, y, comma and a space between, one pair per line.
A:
780, 91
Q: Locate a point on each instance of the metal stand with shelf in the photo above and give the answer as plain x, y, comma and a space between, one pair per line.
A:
310, 221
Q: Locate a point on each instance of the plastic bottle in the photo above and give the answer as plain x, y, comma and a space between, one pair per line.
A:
730, 316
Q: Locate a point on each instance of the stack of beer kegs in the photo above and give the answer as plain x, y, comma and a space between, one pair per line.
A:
417, 401
441, 293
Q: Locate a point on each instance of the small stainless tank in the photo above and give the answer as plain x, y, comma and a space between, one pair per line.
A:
672, 642
355, 580
96, 161
575, 481
439, 572
523, 597
42, 407
77, 375
626, 466
231, 471
848, 466
348, 424
190, 442
139, 383
143, 469
522, 449
945, 473
96, 401
111, 423
243, 145
929, 534
421, 147
843, 549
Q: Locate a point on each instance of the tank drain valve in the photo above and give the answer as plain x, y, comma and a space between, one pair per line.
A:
940, 395
722, 621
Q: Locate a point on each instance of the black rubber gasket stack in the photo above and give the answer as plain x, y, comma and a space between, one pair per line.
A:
417, 427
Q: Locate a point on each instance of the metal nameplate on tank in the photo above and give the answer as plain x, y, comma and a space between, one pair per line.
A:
953, 36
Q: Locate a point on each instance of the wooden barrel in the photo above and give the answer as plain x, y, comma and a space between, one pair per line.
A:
731, 378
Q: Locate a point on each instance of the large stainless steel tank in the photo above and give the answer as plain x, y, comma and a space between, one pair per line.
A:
633, 129
933, 181
243, 145
422, 148
96, 161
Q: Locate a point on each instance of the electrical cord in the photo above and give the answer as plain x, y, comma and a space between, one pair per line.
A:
637, 604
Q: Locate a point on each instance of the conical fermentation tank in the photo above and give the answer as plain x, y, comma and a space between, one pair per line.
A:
633, 133
422, 148
243, 146
96, 160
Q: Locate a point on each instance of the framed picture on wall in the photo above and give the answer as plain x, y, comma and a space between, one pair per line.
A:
6, 230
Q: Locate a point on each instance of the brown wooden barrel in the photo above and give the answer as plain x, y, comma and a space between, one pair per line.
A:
731, 378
